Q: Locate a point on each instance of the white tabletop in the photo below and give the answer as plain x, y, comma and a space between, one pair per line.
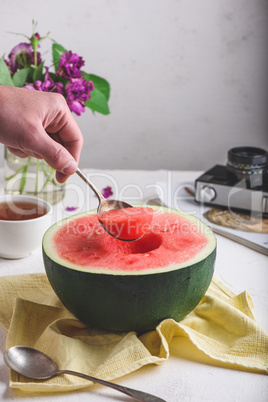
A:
177, 379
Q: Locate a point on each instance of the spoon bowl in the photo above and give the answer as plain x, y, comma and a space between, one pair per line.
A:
35, 364
30, 362
106, 205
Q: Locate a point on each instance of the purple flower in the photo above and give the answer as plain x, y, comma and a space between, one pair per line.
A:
29, 86
77, 93
22, 56
70, 209
36, 37
7, 62
69, 65
48, 85
107, 192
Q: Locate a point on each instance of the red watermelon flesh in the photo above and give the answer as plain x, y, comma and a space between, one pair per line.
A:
127, 223
171, 239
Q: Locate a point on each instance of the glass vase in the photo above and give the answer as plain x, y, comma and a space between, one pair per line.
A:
31, 176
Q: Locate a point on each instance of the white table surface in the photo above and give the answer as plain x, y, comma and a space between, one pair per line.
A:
177, 379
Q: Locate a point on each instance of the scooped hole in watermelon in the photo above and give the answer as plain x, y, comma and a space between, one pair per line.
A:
127, 223
147, 243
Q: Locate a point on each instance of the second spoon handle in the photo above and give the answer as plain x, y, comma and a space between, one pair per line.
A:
138, 395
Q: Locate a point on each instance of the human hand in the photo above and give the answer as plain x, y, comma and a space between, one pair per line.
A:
40, 124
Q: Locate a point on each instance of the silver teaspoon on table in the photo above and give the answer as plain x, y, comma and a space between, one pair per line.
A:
35, 364
104, 204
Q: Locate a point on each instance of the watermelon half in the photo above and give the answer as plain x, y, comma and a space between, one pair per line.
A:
123, 286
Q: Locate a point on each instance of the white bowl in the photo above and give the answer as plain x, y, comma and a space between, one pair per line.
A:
18, 238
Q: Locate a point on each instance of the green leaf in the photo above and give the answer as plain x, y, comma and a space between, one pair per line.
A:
21, 76
38, 72
57, 51
5, 77
30, 74
99, 83
98, 102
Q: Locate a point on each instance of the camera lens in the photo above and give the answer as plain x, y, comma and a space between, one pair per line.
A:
248, 164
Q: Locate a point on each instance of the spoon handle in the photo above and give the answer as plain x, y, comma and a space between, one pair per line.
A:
138, 395
90, 184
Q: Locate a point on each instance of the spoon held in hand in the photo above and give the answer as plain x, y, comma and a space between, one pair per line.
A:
106, 206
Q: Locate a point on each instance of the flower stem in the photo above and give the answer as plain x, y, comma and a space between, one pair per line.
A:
24, 175
49, 177
37, 176
14, 174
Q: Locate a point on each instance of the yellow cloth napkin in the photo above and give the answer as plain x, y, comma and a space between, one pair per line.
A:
220, 331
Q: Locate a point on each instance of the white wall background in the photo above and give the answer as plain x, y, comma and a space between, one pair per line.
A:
188, 77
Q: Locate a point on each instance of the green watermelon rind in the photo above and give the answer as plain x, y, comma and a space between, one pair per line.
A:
130, 302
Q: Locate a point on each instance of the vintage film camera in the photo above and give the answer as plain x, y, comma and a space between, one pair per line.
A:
242, 184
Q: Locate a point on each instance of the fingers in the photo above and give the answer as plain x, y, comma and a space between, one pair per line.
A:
61, 177
58, 158
40, 125
59, 140
17, 152
56, 155
64, 130
23, 153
